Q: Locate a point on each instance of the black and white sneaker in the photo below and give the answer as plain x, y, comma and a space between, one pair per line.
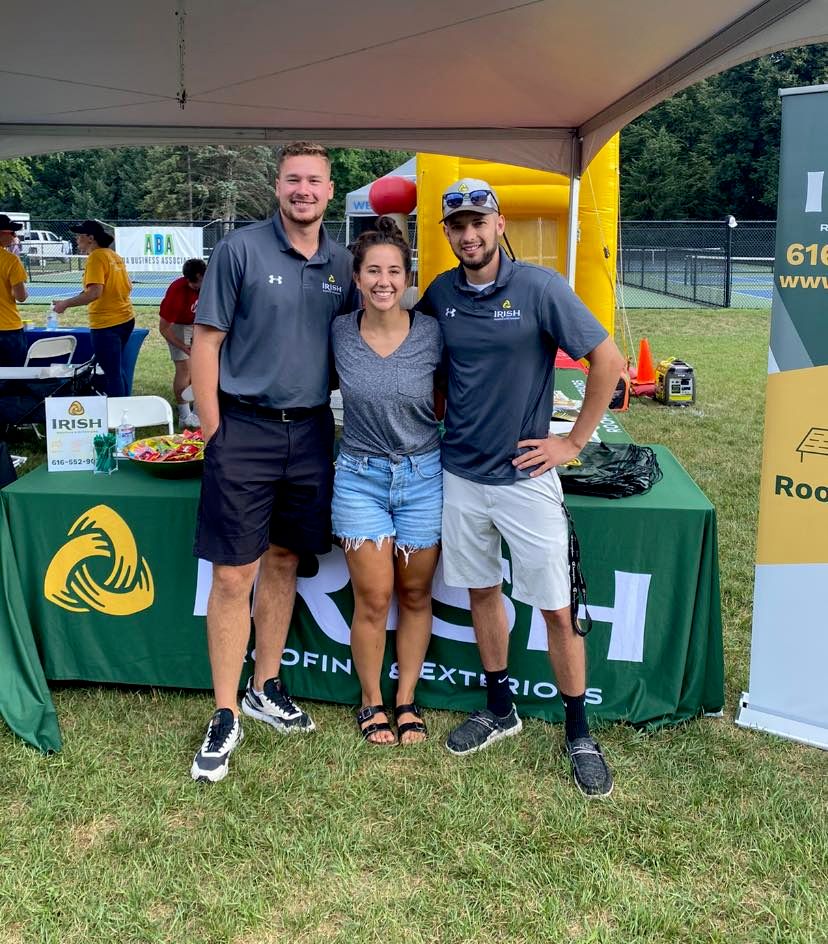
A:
592, 775
275, 707
481, 729
224, 734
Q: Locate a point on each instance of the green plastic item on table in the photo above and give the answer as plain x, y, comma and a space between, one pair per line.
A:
104, 444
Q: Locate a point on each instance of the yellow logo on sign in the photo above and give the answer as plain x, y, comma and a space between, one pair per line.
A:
76, 409
99, 532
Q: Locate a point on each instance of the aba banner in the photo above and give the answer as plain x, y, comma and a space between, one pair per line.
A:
158, 248
789, 650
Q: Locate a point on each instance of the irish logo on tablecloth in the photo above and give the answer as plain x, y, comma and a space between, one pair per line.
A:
71, 582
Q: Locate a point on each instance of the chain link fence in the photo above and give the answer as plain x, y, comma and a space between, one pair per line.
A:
48, 249
661, 264
685, 263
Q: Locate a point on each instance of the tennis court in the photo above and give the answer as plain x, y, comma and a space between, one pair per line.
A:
683, 277
61, 277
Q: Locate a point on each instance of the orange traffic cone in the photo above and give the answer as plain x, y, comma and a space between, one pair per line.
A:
644, 383
646, 371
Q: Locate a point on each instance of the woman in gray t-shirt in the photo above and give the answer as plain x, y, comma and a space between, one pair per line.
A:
388, 489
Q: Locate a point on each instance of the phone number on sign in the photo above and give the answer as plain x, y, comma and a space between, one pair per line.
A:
81, 461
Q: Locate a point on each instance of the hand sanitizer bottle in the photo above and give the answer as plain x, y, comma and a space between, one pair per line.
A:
124, 434
52, 319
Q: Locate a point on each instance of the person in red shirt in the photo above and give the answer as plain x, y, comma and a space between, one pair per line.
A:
177, 312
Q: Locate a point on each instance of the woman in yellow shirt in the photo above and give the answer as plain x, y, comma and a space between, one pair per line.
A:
13, 277
106, 288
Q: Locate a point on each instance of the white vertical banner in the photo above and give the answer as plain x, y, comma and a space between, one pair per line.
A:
788, 694
158, 248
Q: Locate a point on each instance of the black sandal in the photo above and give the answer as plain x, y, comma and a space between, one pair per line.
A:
415, 727
365, 714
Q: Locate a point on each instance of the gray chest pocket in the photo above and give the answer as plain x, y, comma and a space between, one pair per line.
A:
414, 382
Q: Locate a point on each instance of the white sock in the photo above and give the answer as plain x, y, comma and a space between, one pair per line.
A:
183, 411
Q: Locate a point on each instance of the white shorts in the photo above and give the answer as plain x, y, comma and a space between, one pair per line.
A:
530, 518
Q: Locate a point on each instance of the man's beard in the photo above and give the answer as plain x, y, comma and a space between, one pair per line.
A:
484, 260
288, 212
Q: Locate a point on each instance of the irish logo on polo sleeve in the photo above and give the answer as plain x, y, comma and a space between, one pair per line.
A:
99, 568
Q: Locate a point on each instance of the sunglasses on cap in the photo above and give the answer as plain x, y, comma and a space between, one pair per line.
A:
478, 198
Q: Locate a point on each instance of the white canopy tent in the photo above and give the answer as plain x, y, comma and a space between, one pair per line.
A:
541, 83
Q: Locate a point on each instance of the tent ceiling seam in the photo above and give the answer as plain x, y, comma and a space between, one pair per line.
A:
396, 134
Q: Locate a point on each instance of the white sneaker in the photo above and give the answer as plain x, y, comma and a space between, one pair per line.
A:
224, 734
275, 707
191, 421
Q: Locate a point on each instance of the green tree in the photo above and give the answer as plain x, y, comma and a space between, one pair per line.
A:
15, 176
210, 182
713, 149
352, 168
105, 183
176, 183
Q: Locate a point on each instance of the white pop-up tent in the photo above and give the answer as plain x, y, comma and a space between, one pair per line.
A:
541, 83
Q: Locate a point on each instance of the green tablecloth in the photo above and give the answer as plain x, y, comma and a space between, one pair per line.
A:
102, 609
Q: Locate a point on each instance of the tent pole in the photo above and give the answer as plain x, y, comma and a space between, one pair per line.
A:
572, 220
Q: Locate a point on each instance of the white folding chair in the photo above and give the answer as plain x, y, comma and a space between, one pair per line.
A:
51, 348
141, 411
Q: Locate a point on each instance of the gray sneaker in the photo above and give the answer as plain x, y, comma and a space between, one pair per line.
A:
481, 729
276, 708
224, 734
592, 775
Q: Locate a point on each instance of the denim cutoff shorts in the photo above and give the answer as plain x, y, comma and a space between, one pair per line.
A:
399, 497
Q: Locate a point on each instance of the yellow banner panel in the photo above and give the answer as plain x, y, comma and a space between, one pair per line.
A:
793, 496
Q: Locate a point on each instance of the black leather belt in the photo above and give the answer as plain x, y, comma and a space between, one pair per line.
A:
290, 415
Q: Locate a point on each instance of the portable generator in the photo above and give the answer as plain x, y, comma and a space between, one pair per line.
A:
675, 382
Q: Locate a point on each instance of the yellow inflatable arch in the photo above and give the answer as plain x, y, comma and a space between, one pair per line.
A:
535, 204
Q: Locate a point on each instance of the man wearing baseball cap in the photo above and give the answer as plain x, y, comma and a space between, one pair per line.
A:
13, 278
503, 322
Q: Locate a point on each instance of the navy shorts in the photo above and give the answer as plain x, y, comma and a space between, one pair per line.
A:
265, 482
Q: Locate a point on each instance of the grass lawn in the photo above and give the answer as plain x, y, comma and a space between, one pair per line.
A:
713, 834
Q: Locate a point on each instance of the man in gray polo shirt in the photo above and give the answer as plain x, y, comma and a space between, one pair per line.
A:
502, 324
260, 367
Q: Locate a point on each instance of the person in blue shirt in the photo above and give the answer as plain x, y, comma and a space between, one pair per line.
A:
503, 322
260, 369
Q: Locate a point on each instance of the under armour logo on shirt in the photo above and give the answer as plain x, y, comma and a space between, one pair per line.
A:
451, 312
275, 278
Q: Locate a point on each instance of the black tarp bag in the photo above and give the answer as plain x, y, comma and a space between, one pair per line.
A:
611, 470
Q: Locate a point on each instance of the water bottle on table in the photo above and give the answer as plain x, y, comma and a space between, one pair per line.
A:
52, 319
124, 435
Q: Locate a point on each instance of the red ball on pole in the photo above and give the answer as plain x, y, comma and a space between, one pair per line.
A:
392, 195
